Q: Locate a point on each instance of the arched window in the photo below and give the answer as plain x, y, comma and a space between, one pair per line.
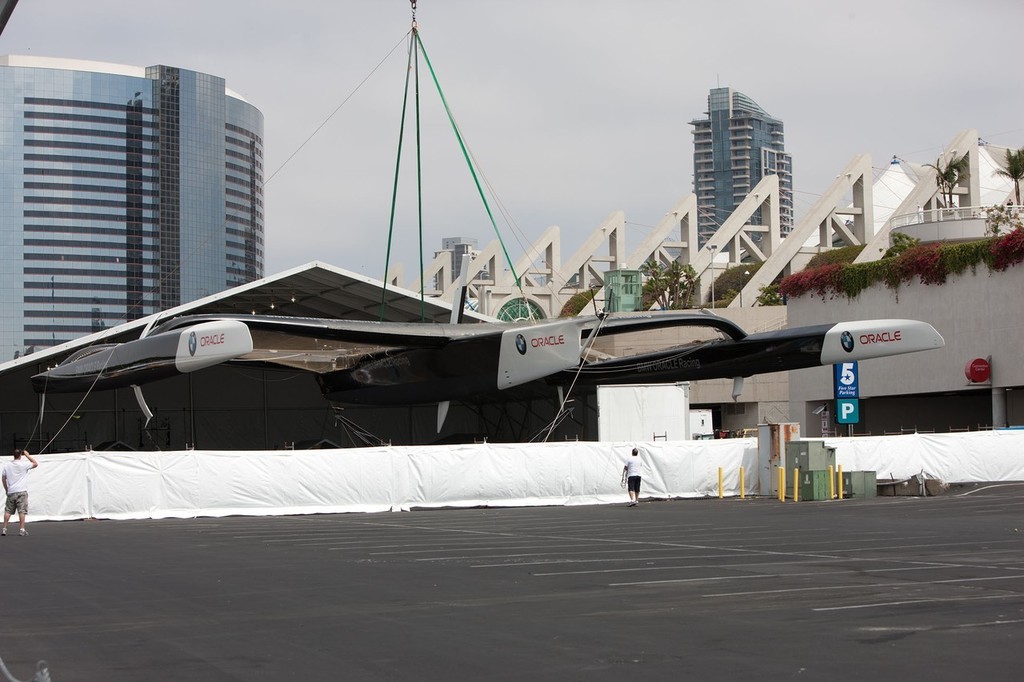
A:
517, 309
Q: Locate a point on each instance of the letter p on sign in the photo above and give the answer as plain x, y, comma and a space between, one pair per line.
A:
848, 411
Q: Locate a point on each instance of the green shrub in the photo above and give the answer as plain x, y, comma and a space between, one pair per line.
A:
575, 305
844, 254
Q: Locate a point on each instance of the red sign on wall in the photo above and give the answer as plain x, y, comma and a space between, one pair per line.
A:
978, 371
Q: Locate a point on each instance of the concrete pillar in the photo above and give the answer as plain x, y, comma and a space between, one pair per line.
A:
999, 408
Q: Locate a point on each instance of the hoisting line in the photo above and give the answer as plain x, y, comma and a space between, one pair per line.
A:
412, 66
398, 164
465, 154
419, 164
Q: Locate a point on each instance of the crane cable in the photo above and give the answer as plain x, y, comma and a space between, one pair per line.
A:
412, 66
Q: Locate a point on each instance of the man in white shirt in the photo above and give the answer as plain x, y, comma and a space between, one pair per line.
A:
15, 479
631, 475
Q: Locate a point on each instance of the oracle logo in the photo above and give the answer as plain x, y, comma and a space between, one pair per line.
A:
540, 341
197, 341
881, 337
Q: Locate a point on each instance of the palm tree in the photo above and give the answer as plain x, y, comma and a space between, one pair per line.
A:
1014, 171
682, 280
655, 284
947, 176
670, 287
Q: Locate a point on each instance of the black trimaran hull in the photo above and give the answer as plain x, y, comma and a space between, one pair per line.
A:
379, 363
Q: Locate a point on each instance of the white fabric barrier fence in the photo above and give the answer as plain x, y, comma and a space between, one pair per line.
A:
138, 485
976, 456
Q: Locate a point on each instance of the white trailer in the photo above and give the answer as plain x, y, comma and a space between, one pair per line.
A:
643, 412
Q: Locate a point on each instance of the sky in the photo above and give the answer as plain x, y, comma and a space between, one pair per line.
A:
571, 109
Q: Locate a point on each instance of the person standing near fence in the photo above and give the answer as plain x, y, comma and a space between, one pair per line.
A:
15, 479
631, 476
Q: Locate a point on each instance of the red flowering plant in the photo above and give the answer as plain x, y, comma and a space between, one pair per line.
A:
1008, 250
931, 263
924, 261
823, 281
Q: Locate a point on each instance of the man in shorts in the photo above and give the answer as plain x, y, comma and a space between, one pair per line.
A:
15, 479
631, 476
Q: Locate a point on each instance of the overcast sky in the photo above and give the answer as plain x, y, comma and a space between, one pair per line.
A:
573, 109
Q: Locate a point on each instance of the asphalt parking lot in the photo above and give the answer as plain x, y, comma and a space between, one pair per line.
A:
886, 588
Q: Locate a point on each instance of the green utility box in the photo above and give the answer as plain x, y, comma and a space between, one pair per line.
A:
847, 484
863, 483
809, 455
813, 485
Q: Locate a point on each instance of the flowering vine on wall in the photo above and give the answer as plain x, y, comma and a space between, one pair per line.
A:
929, 263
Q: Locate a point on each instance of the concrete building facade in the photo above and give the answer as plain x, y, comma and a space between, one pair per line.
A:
978, 315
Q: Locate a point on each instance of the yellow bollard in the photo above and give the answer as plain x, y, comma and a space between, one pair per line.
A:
840, 481
831, 484
796, 485
782, 484
721, 494
743, 494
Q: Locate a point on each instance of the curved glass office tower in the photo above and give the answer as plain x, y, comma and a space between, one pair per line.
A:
734, 147
123, 191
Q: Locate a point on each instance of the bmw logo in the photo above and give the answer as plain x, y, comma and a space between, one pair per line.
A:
847, 340
520, 344
192, 343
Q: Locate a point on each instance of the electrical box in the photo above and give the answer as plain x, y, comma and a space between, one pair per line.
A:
814, 485
771, 454
847, 484
810, 455
863, 483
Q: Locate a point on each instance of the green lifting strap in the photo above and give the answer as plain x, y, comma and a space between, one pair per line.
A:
412, 66
458, 136
419, 173
394, 191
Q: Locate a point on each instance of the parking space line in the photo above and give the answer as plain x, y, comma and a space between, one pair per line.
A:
905, 602
861, 586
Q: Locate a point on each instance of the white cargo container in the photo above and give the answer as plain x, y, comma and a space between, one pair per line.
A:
648, 412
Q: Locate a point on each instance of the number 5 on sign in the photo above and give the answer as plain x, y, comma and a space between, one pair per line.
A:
845, 383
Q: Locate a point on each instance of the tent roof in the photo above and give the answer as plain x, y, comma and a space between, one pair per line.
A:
312, 290
889, 190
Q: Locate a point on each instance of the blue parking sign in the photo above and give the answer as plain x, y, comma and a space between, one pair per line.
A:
845, 380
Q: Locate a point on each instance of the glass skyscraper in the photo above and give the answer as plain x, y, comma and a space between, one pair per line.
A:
123, 191
733, 149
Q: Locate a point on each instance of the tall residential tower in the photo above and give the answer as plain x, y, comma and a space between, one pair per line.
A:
123, 191
733, 149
